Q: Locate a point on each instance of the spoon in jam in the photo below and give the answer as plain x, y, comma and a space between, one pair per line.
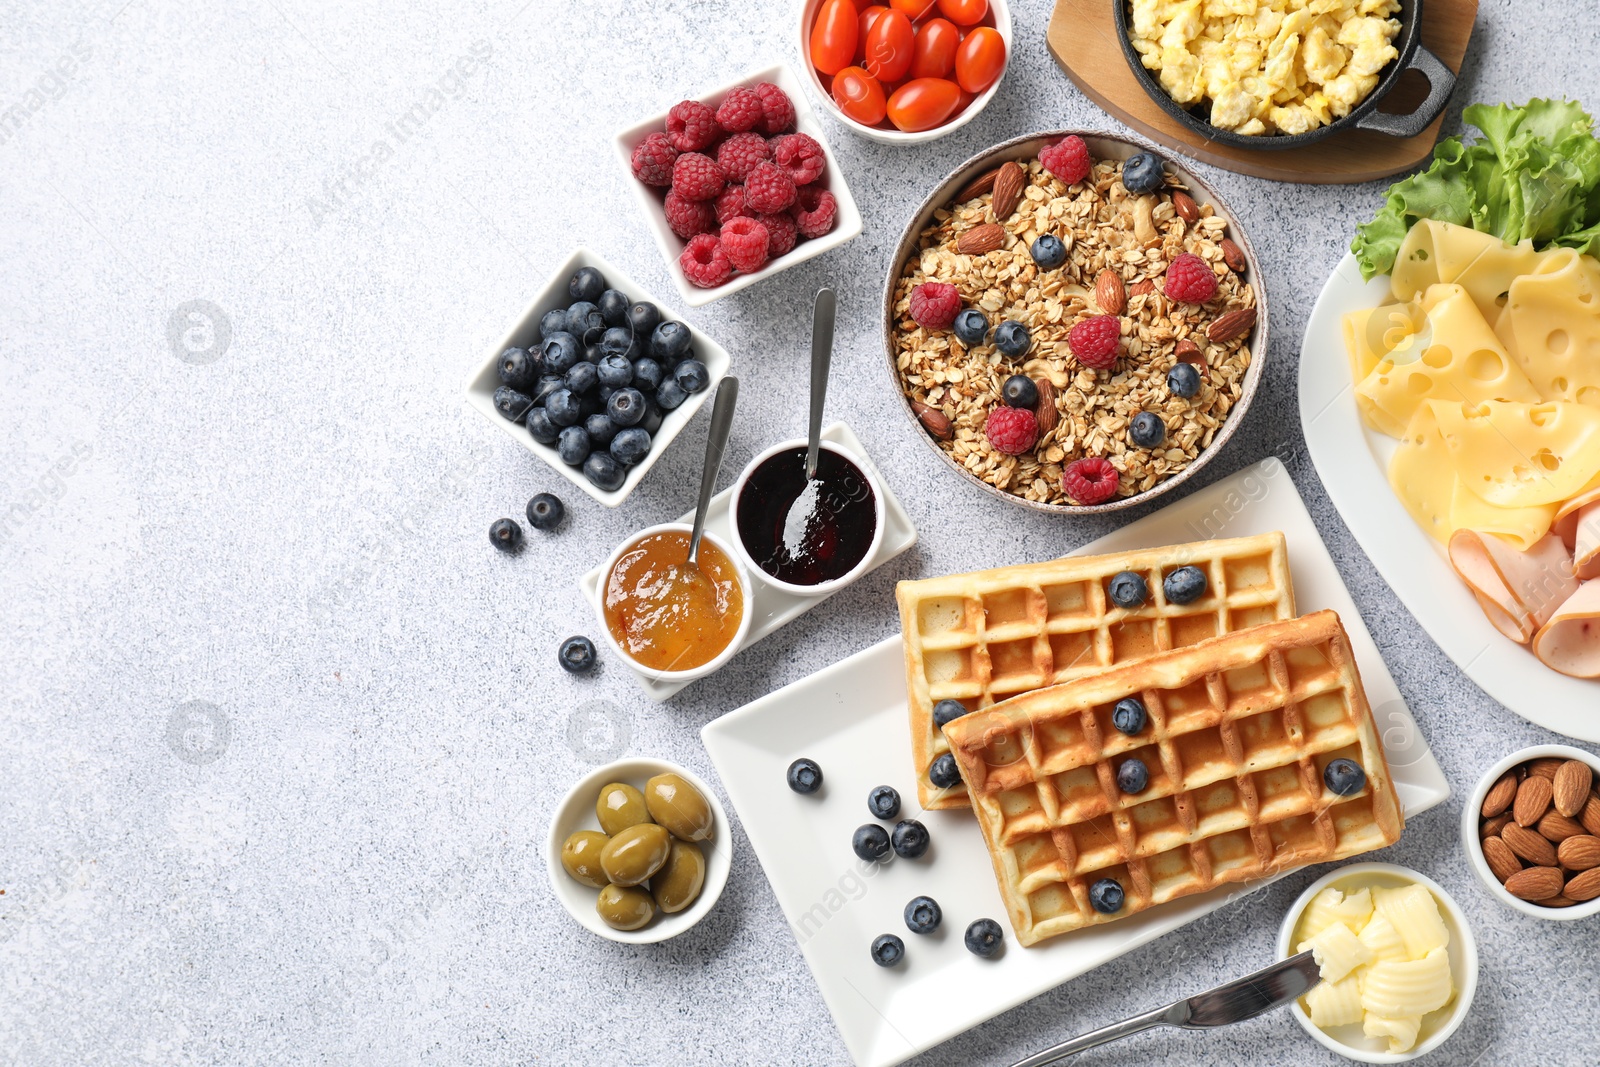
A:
716, 445
803, 511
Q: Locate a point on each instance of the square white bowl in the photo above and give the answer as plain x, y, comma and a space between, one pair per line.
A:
485, 380
846, 226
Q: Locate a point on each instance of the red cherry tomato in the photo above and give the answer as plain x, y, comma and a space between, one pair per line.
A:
923, 103
859, 95
888, 51
964, 12
933, 54
834, 36
913, 9
980, 59
869, 15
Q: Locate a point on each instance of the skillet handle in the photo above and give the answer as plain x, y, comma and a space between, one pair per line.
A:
1440, 85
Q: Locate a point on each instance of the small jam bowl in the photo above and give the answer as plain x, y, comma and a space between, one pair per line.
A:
1471, 843
710, 666
576, 812
1463, 951
833, 584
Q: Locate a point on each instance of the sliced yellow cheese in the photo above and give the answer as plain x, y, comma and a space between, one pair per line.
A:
1522, 527
1402, 1032
1412, 911
1552, 324
1481, 263
1371, 334
1518, 455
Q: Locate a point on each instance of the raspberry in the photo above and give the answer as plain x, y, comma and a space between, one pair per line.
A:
769, 188
1094, 341
689, 217
801, 156
739, 154
740, 110
691, 126
730, 203
704, 262
653, 159
815, 212
777, 110
696, 177
746, 241
1189, 280
1011, 430
1091, 480
934, 305
781, 233
1068, 159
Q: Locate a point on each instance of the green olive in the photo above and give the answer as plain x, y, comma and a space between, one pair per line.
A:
678, 806
635, 854
619, 807
625, 907
580, 855
676, 885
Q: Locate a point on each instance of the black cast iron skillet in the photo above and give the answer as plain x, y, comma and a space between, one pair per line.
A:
1364, 116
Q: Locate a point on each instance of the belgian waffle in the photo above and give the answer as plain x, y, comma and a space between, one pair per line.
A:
1240, 729
983, 637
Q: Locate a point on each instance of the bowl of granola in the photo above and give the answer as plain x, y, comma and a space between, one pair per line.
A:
1074, 323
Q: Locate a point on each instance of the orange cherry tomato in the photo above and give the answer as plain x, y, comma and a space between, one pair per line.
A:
869, 15
933, 54
923, 103
859, 95
834, 36
888, 49
913, 9
980, 59
964, 12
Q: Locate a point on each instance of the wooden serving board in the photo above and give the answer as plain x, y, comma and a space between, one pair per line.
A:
1083, 38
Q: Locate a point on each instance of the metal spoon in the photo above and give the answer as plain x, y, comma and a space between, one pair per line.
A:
822, 314
716, 444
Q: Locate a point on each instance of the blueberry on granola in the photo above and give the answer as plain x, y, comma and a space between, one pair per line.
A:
1143, 174
1183, 380
1019, 391
1012, 338
1147, 430
972, 327
1048, 251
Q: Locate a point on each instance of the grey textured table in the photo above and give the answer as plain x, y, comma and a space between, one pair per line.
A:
282, 732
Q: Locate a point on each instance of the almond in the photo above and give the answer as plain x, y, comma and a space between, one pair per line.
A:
1045, 410
1533, 800
1544, 767
1579, 853
1501, 794
1570, 787
1109, 293
1184, 205
1233, 324
1558, 902
933, 420
1142, 287
1585, 886
1233, 256
1008, 183
1536, 883
1590, 815
1502, 861
1557, 827
1492, 827
1529, 845
978, 186
981, 240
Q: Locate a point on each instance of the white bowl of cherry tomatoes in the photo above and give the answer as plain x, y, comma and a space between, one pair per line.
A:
905, 71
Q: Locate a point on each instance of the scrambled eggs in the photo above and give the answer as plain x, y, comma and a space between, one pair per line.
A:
1267, 66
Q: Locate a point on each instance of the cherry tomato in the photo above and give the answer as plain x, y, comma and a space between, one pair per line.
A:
933, 55
859, 95
923, 103
980, 59
869, 16
964, 12
888, 51
913, 9
834, 36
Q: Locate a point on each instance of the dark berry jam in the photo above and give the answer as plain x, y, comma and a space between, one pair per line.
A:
807, 533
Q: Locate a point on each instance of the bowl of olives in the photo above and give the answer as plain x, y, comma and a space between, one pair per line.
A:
639, 850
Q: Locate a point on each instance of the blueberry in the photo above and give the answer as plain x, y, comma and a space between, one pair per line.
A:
601, 429
505, 535
553, 321
883, 802
1184, 585
574, 446
923, 915
1012, 338
1048, 251
626, 407
613, 308
870, 842
1133, 776
985, 938
518, 371
1183, 380
943, 772
1142, 174
1147, 430
1129, 715
541, 428
644, 317
604, 472
511, 404
910, 839
594, 353
616, 341
546, 511
692, 375
1128, 589
887, 950
576, 655
604, 394
630, 446
586, 283
669, 394
668, 342
804, 774
582, 378
547, 385
563, 408
647, 374
1344, 777
560, 351
972, 327
616, 371
653, 417
1019, 391
589, 403
583, 317
1106, 896
947, 711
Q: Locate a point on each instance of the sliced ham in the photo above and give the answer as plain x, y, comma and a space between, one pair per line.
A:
1566, 520
1579, 530
1570, 641
1518, 591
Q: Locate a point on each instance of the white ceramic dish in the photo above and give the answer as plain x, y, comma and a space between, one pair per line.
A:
846, 226
1353, 461
1470, 842
851, 718
808, 15
773, 607
482, 383
576, 812
1349, 1041
746, 592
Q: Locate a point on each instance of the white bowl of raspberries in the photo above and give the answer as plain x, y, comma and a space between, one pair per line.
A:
738, 185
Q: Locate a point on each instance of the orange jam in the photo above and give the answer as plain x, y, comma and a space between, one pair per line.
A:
667, 613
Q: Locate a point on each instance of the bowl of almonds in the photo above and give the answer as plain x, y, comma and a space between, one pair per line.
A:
1532, 831
1074, 323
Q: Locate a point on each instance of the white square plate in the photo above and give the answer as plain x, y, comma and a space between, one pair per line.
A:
851, 719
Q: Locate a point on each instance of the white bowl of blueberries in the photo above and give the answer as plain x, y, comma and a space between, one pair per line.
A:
595, 378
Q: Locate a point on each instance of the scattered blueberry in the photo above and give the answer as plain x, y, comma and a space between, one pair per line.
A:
1147, 430
560, 351
583, 317
1012, 338
1048, 251
505, 535
870, 842
947, 711
805, 776
670, 394
1344, 777
553, 321
547, 385
1106, 896
1129, 715
668, 342
985, 938
1019, 391
923, 915
574, 446
601, 430
883, 802
563, 407
653, 417
541, 428
576, 655
582, 378
1133, 776
1128, 589
644, 317
615, 371
626, 407
630, 445
604, 472
613, 308
546, 511
518, 371
692, 375
647, 374
1184, 585
511, 404
972, 327
1183, 380
586, 283
616, 341
1143, 174
887, 950
943, 772
910, 839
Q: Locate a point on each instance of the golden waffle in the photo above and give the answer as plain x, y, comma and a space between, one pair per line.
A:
1240, 728
981, 638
